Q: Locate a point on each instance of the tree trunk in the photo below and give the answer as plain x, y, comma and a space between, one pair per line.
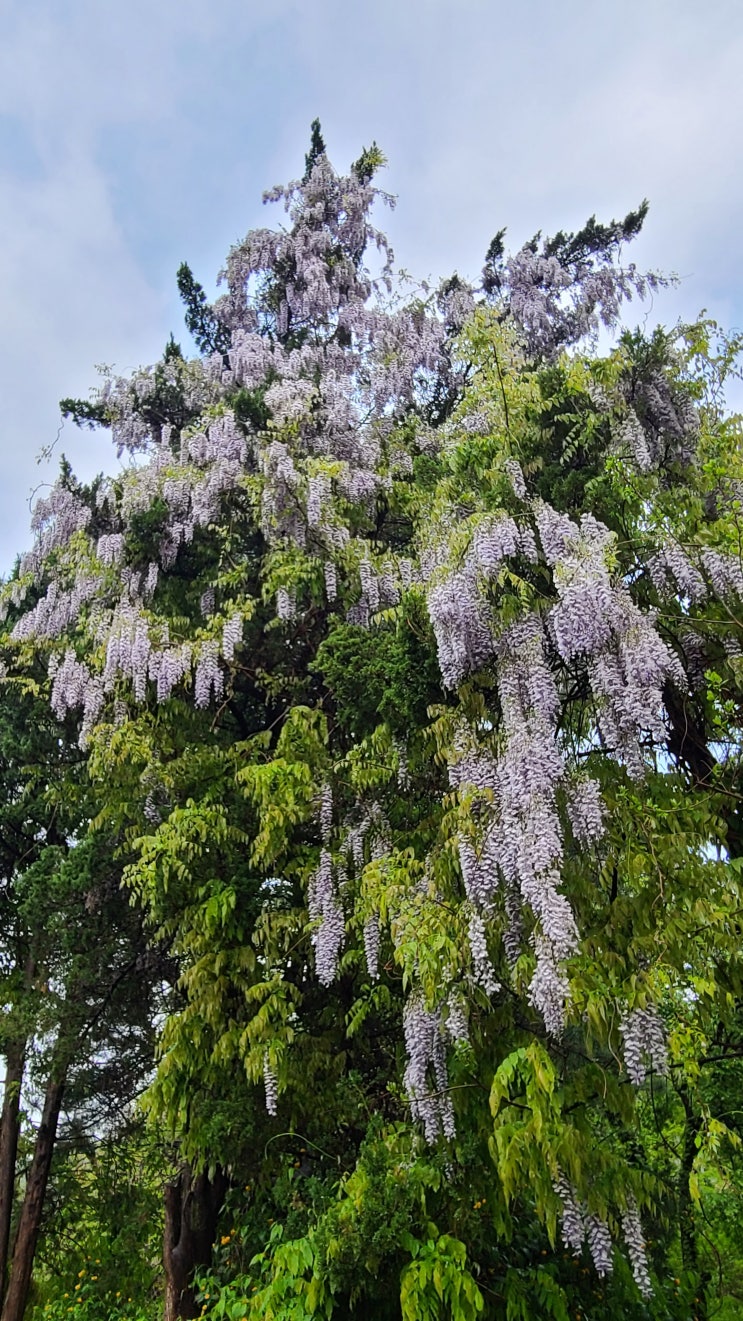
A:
687, 1221
33, 1202
689, 743
15, 1058
192, 1207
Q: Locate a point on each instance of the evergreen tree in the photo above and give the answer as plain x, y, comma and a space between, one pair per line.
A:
78, 980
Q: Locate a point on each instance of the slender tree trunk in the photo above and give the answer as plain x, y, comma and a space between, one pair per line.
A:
687, 1222
192, 1207
33, 1202
15, 1058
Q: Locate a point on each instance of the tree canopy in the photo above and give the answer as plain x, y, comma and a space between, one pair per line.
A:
404, 655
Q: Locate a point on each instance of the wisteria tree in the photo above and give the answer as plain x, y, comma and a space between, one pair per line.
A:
406, 653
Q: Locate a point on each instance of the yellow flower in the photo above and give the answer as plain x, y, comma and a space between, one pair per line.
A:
77, 1286
224, 1239
80, 1274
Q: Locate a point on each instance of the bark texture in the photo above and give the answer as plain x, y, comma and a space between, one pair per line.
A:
15, 1057
192, 1207
29, 1222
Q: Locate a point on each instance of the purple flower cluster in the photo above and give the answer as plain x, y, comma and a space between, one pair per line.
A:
518, 842
577, 1225
599, 1243
596, 620
462, 626
456, 1024
209, 678
560, 295
286, 604
372, 945
586, 811
426, 1074
457, 601
403, 769
530, 771
636, 1249
331, 581
725, 575
326, 813
482, 968
56, 611
644, 1044
673, 574
232, 634
55, 519
667, 418
572, 1227
630, 438
271, 1086
324, 908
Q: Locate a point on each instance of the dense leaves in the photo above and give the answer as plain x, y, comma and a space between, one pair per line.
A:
406, 663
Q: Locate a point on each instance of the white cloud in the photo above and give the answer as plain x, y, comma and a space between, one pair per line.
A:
70, 291
138, 135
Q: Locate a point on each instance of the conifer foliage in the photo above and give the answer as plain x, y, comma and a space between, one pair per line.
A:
407, 650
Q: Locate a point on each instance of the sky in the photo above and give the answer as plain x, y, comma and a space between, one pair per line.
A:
136, 136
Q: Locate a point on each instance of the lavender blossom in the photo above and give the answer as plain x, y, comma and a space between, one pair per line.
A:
110, 548
231, 637
371, 945
208, 678
494, 540
586, 809
403, 770
426, 1074
324, 906
318, 494
369, 586
572, 1226
673, 574
483, 970
462, 627
549, 989
286, 606
326, 813
599, 1243
644, 1044
70, 681
271, 1085
457, 1026
725, 575
516, 477
331, 581
630, 436
635, 1240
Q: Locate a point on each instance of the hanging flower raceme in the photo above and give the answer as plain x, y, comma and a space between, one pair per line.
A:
644, 1043
324, 907
426, 1075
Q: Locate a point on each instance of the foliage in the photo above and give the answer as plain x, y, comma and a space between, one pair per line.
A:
407, 664
101, 1247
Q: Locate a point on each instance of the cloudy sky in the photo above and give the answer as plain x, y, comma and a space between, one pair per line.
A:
135, 136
